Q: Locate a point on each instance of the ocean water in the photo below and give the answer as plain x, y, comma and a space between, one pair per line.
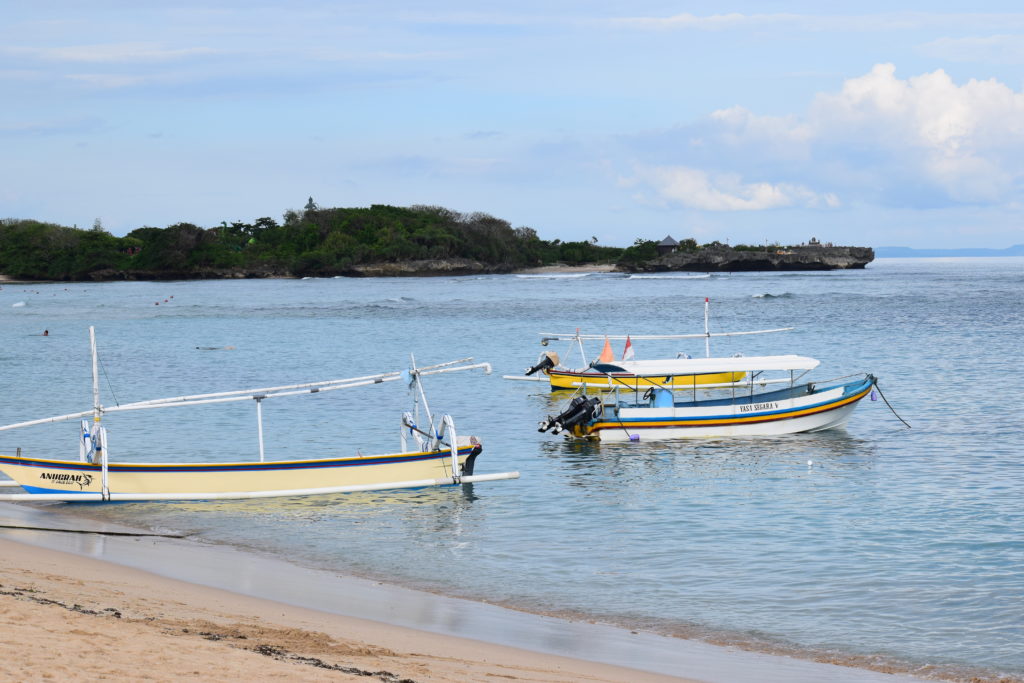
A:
894, 548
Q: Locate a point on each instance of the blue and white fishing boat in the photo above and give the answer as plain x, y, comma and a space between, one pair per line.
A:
754, 406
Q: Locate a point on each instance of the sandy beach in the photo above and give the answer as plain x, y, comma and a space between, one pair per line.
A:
69, 617
84, 600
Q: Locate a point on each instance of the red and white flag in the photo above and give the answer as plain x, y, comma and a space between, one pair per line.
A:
627, 353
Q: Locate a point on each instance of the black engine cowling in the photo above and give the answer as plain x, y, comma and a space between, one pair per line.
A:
580, 410
547, 361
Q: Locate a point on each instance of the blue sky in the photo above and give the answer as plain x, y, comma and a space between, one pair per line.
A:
881, 123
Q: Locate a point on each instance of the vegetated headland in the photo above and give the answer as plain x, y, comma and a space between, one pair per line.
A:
687, 255
356, 242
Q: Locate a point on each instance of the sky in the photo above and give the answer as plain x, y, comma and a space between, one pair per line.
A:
874, 124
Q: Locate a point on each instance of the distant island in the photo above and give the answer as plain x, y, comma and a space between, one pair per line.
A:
908, 252
378, 241
670, 255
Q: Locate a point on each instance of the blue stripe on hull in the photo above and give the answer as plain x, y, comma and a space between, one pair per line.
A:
852, 393
279, 465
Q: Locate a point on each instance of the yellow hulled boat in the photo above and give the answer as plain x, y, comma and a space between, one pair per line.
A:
636, 376
431, 453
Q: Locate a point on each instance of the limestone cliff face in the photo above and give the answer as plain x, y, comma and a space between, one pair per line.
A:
424, 268
726, 259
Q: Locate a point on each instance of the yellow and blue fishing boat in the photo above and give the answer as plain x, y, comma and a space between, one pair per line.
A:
630, 374
432, 454
635, 375
754, 407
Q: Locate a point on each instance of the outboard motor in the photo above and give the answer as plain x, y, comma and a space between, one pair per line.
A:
548, 360
580, 410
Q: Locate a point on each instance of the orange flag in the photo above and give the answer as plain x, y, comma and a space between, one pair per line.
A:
606, 353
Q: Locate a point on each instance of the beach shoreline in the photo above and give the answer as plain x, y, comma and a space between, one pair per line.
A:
59, 569
110, 620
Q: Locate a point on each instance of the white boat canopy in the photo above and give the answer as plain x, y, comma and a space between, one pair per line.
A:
695, 366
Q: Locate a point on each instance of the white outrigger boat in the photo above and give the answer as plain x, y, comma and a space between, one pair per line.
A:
628, 374
753, 406
432, 454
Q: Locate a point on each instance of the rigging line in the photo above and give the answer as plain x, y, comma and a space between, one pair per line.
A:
619, 418
890, 405
109, 385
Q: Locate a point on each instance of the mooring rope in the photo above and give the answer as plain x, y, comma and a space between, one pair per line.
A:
890, 405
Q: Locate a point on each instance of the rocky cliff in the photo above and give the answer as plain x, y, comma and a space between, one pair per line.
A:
722, 259
424, 268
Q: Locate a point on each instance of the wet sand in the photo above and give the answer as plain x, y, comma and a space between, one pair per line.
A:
73, 618
80, 600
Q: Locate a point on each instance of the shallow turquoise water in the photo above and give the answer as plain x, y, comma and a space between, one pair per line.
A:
896, 546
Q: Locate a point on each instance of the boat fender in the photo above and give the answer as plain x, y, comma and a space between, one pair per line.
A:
547, 360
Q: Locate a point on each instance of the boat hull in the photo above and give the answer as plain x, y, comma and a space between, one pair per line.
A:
70, 477
814, 410
569, 379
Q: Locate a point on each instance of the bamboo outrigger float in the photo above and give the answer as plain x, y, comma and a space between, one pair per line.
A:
432, 454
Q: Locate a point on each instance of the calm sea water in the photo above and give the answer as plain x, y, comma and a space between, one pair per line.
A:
896, 547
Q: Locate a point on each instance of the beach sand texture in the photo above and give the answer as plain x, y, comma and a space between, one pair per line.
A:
67, 617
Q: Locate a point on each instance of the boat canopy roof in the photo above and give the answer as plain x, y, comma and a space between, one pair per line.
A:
692, 366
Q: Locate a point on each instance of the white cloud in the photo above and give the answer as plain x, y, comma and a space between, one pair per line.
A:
699, 189
869, 22
921, 141
334, 55
109, 53
711, 22
107, 81
968, 140
997, 49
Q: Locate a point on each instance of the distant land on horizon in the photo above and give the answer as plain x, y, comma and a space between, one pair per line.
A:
908, 252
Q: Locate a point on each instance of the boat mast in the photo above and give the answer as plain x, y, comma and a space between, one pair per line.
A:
96, 409
99, 434
707, 332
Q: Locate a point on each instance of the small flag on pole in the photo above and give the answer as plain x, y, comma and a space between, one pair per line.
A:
627, 353
606, 353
